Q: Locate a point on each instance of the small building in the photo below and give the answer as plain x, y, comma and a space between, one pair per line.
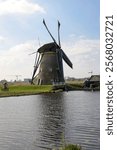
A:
27, 80
92, 82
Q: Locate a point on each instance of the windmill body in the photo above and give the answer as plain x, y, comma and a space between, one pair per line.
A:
49, 63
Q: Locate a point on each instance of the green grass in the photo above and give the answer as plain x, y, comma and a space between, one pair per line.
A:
70, 147
74, 86
17, 90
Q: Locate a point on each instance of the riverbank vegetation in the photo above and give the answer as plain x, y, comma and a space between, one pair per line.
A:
18, 89
70, 147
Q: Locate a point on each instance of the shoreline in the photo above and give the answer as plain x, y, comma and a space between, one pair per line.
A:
5, 94
25, 90
22, 94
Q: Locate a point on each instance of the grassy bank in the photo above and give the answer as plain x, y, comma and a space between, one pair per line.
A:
17, 90
75, 86
22, 89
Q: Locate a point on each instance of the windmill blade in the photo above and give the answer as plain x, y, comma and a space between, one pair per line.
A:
32, 53
60, 64
66, 59
59, 34
36, 65
59, 59
40, 59
37, 50
36, 59
34, 72
49, 32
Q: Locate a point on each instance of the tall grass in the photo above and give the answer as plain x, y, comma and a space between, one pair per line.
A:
70, 147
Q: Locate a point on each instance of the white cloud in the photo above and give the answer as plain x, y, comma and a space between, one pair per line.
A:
2, 39
84, 54
81, 46
19, 7
17, 61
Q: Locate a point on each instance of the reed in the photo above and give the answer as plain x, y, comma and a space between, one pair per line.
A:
70, 147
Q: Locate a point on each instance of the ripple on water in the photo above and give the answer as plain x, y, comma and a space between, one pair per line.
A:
40, 122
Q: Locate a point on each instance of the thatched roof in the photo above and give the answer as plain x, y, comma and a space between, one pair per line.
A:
49, 47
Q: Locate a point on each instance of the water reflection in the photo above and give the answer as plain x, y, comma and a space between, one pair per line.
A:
39, 122
51, 130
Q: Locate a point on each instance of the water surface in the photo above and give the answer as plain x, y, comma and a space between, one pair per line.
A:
40, 122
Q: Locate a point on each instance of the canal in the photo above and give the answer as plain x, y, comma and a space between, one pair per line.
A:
46, 121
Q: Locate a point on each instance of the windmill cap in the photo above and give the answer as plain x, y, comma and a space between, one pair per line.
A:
48, 47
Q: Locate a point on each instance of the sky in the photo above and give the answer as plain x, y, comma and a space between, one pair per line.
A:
22, 32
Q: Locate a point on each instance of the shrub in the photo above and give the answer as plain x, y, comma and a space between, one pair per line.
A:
71, 147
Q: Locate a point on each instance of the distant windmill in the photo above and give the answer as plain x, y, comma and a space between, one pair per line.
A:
49, 61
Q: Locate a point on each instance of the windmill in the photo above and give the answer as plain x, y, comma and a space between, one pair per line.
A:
49, 60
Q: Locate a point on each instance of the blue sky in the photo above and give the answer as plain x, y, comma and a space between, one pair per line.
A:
21, 26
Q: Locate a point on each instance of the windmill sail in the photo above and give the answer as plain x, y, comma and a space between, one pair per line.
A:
49, 31
59, 34
60, 64
50, 62
66, 59
36, 65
